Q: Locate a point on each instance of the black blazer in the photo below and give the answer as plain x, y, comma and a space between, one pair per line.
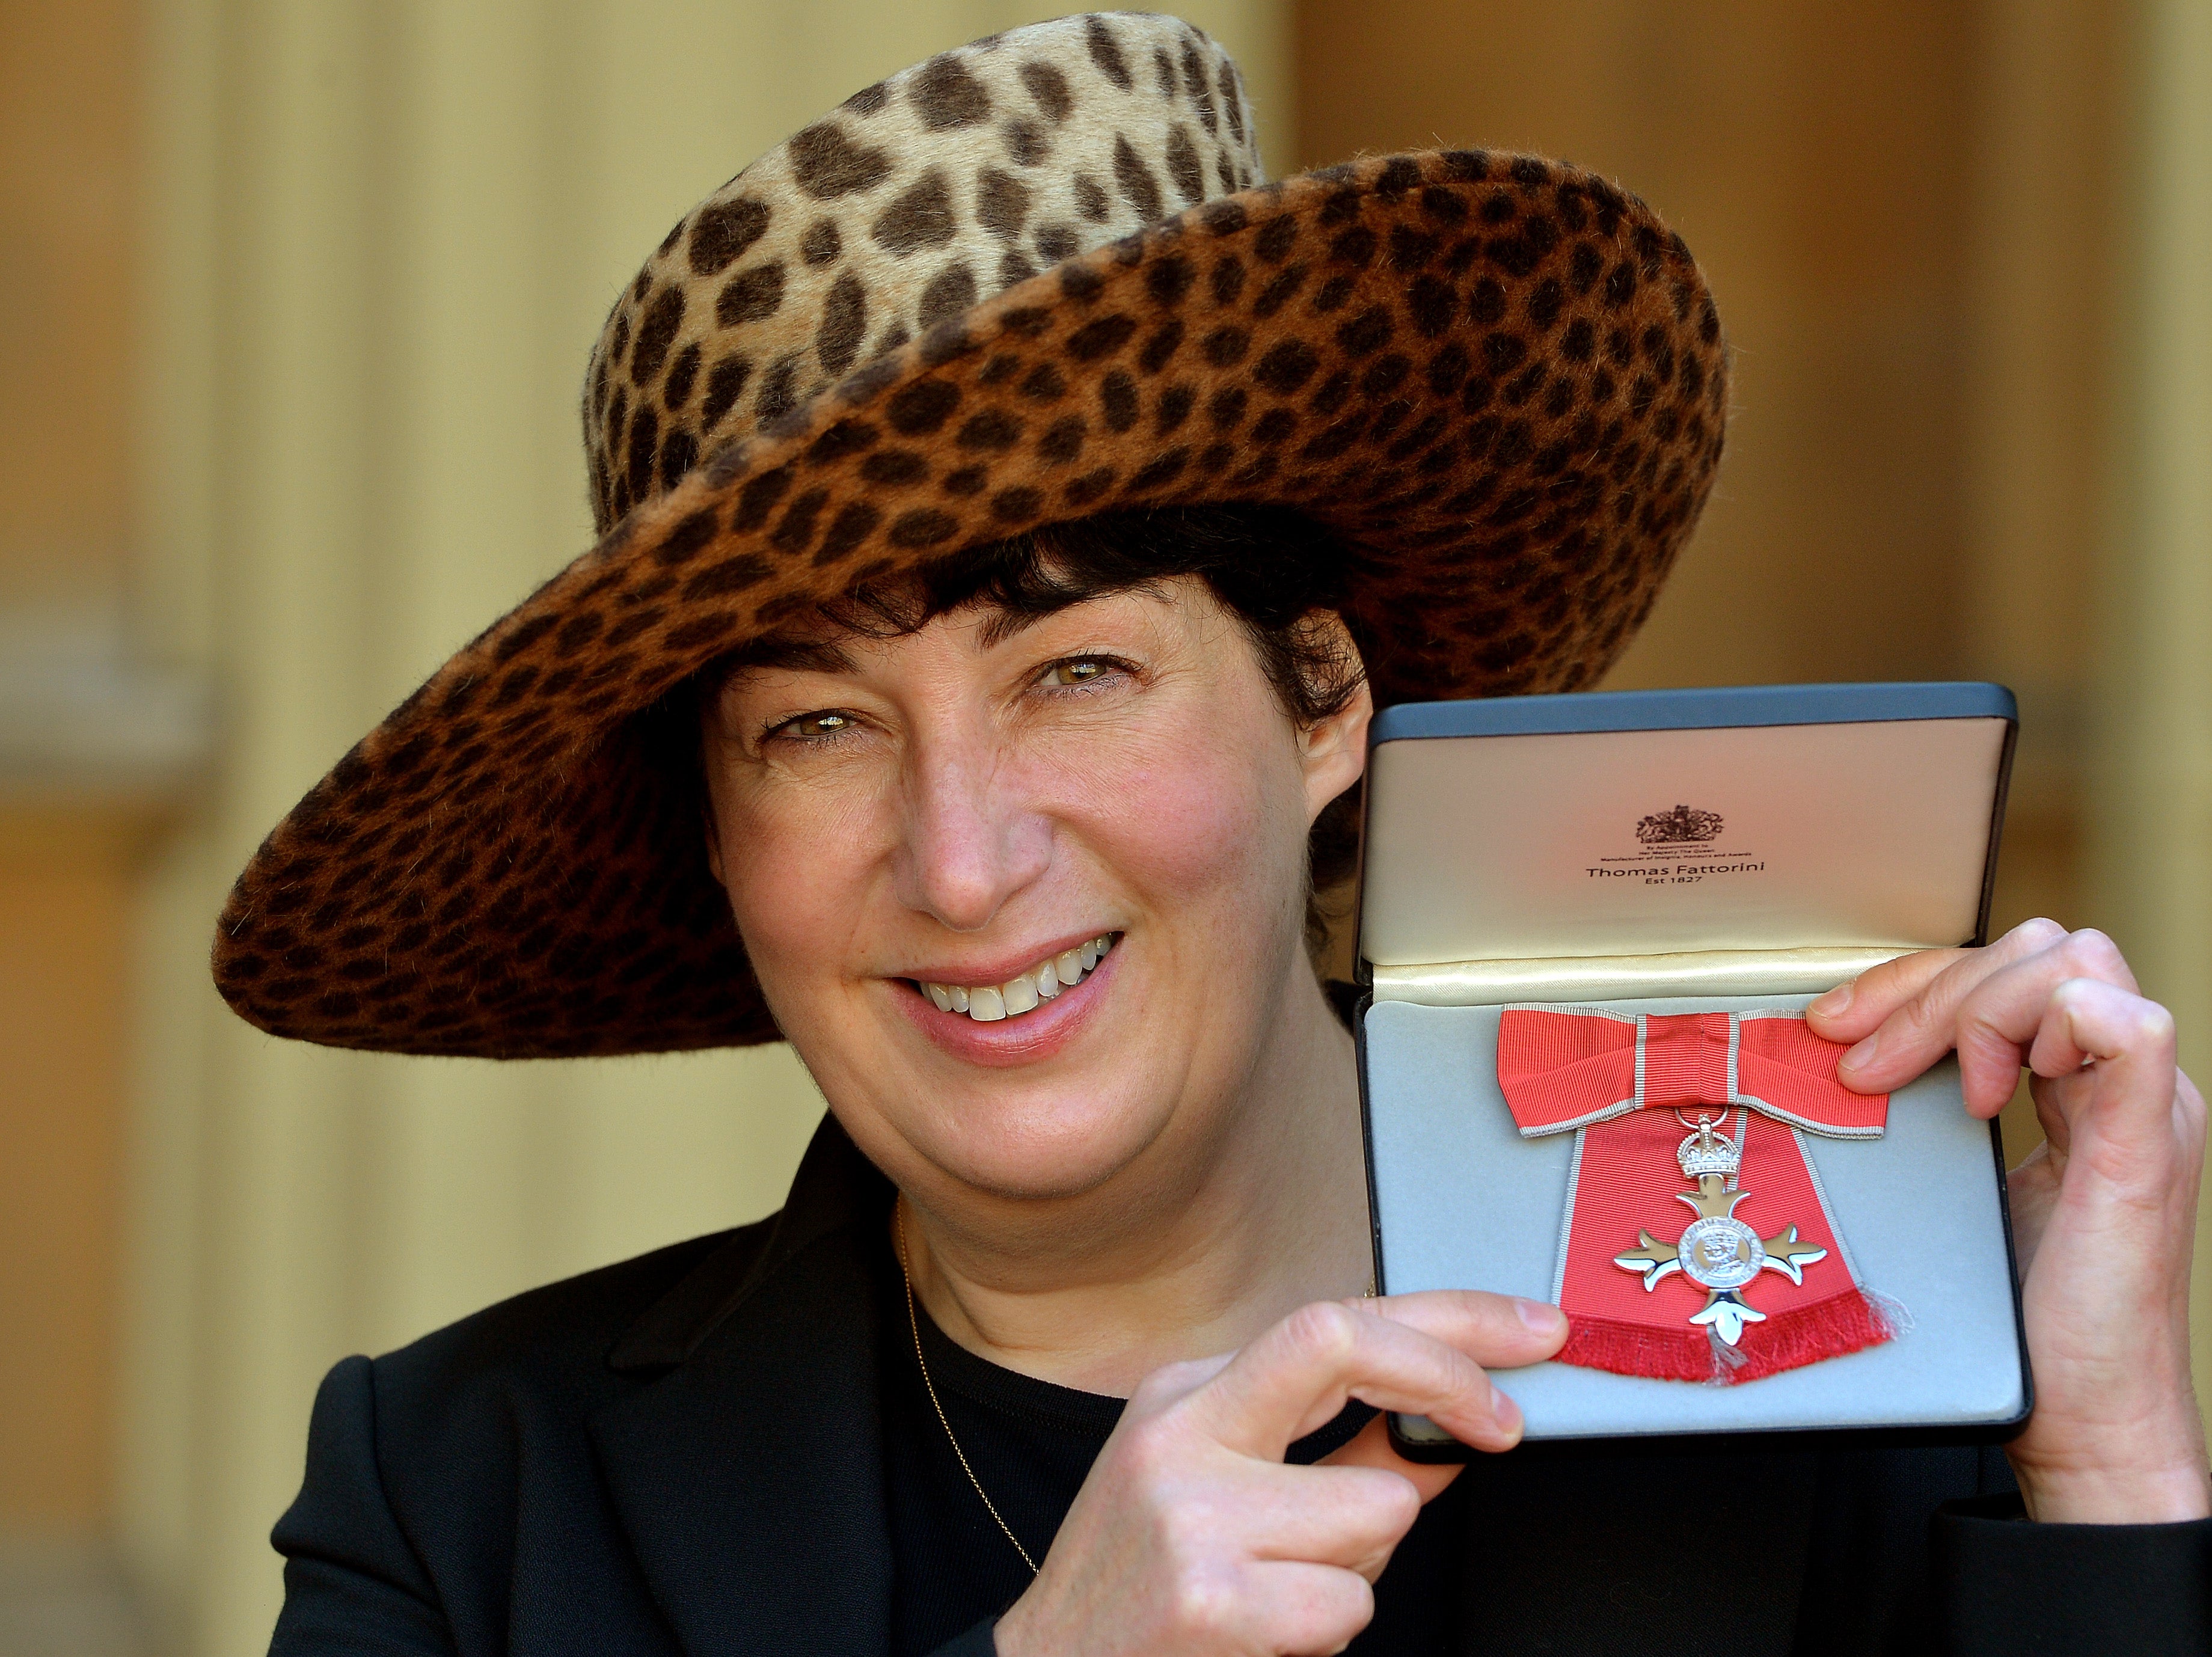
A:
681, 1455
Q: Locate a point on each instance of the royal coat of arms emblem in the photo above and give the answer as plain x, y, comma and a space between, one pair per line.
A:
1684, 825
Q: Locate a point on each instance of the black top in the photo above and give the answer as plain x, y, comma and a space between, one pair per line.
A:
688, 1455
1031, 1444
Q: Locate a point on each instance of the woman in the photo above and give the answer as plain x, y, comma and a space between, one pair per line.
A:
985, 719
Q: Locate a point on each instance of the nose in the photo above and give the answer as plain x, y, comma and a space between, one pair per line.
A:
970, 840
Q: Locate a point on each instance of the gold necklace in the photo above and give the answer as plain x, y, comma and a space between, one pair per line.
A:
914, 1326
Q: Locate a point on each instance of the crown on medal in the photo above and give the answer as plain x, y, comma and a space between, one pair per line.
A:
1707, 1152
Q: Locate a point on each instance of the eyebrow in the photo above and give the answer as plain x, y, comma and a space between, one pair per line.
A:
795, 655
801, 655
828, 655
1004, 623
1009, 621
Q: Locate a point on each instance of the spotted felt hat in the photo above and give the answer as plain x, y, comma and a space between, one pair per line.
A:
1033, 278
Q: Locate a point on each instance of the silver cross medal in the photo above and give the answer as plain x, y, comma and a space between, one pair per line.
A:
1718, 1252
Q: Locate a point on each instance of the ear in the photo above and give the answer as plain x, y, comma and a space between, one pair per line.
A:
1333, 750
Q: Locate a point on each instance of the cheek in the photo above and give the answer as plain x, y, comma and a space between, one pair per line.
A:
795, 876
1218, 814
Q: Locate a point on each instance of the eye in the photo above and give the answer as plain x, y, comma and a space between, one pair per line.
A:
814, 727
1076, 671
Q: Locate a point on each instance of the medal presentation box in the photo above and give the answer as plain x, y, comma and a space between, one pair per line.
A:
1588, 927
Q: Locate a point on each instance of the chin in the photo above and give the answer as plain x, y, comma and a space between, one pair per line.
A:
1065, 1144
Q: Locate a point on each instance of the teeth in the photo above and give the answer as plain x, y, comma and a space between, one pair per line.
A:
988, 1003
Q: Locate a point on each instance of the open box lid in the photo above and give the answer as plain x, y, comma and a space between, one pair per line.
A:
1512, 840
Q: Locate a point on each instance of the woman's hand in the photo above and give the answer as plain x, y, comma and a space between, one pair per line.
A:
2104, 1214
1192, 1536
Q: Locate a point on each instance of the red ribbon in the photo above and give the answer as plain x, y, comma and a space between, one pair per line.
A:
1616, 1080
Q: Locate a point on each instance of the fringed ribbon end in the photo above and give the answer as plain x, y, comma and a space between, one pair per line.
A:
1848, 1322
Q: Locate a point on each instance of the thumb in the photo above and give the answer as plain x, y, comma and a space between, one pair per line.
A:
1372, 1447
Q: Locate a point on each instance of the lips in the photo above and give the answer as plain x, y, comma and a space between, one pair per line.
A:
1031, 988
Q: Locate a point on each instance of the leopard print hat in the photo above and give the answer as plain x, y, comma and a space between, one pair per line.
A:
1034, 278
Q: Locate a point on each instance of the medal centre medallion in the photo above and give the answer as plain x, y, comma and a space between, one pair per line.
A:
1721, 1253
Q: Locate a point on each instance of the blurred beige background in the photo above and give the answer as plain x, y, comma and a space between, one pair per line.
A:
295, 297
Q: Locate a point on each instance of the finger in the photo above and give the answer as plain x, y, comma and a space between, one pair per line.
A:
1300, 1372
1372, 1447
1852, 1011
2089, 1019
1998, 1021
2057, 1099
1968, 1004
1172, 1382
2130, 1041
1500, 1331
1326, 1514
2031, 1190
1297, 1608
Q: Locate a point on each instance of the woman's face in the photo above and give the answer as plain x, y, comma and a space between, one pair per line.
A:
958, 807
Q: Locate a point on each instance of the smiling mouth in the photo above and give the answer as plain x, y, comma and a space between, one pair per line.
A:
987, 1004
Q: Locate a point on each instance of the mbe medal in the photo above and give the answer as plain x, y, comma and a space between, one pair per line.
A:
1717, 1252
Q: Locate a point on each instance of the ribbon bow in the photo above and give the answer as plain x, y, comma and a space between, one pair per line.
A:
1564, 1068
1627, 1086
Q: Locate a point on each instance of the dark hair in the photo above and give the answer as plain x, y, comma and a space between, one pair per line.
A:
1272, 567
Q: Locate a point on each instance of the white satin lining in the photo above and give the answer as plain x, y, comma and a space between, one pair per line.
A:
1626, 977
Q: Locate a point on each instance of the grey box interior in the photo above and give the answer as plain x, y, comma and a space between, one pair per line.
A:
1464, 1202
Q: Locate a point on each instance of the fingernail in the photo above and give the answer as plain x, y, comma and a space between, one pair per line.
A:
1832, 1003
1505, 1412
1862, 1055
1540, 1315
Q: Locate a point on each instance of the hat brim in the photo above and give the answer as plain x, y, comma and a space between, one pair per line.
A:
1501, 380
